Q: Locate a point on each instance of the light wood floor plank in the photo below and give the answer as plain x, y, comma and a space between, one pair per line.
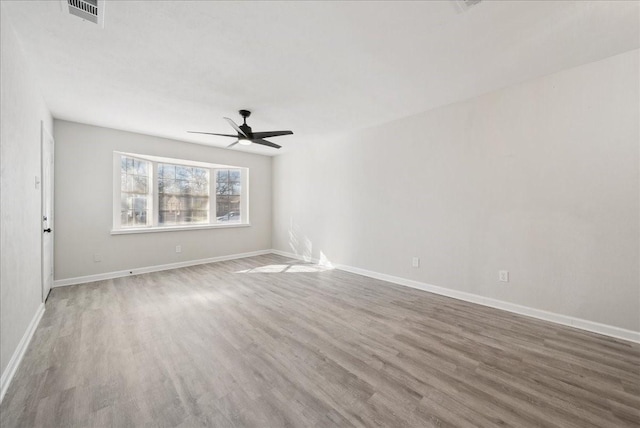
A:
272, 342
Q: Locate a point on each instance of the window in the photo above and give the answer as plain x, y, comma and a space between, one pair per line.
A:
135, 197
228, 195
183, 194
154, 194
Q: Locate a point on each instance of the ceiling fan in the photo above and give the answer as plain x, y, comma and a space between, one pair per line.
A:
245, 136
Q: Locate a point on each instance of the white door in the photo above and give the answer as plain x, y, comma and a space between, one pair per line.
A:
47, 211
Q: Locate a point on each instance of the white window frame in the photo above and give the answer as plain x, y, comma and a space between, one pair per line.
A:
153, 210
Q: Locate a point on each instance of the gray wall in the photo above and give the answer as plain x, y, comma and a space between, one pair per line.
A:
21, 111
540, 179
83, 206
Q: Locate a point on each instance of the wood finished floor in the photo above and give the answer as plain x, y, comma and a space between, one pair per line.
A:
271, 342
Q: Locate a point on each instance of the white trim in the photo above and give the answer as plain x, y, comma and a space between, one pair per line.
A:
178, 161
300, 257
153, 199
16, 358
117, 185
46, 138
244, 196
582, 324
156, 268
595, 327
177, 228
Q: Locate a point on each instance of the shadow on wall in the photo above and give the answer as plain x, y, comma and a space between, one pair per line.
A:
302, 246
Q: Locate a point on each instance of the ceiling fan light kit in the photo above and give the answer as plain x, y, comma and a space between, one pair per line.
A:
246, 136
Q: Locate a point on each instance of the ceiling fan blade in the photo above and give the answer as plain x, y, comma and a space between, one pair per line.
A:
268, 134
265, 143
211, 133
236, 127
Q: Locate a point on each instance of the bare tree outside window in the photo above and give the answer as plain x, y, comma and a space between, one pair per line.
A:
134, 192
183, 195
156, 193
228, 195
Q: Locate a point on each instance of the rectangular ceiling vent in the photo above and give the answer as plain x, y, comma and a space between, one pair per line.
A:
465, 5
88, 10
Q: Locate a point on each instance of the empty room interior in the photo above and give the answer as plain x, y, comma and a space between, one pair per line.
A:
320, 213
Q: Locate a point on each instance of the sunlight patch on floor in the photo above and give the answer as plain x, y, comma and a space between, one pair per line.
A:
284, 268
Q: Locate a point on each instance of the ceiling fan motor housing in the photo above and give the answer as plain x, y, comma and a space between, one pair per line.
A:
245, 128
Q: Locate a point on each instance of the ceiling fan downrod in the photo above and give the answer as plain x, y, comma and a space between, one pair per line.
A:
245, 114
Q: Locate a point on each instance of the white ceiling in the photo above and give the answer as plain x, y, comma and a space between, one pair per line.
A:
162, 68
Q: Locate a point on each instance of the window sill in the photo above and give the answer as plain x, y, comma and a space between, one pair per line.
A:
176, 228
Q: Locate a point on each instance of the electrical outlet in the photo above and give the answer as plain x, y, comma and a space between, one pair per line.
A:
178, 248
415, 262
97, 257
503, 275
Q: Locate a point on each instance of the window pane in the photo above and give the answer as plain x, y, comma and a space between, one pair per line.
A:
228, 192
139, 203
200, 188
140, 184
129, 165
142, 168
166, 171
222, 205
124, 202
140, 217
228, 182
223, 188
183, 195
183, 172
134, 192
169, 187
228, 209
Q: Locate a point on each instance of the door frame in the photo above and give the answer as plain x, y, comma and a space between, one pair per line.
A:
45, 136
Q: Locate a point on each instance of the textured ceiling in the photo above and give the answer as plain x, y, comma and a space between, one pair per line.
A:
162, 68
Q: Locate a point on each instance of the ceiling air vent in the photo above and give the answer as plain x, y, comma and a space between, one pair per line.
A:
88, 10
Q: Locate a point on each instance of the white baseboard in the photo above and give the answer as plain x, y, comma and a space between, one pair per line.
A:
16, 358
296, 256
582, 324
579, 323
156, 268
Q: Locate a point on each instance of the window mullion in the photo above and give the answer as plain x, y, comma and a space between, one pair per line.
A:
155, 197
213, 203
244, 195
117, 190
